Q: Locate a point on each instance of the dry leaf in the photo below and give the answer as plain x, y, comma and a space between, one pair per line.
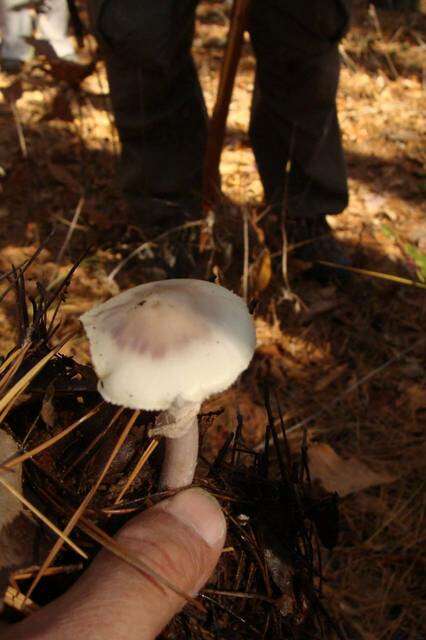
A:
230, 402
261, 272
344, 476
48, 412
417, 397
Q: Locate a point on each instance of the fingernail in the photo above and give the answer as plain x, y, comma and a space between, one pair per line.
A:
199, 511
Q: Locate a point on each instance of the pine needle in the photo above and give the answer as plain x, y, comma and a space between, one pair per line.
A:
48, 443
375, 274
8, 399
81, 509
142, 461
43, 518
137, 563
14, 366
11, 357
94, 442
28, 572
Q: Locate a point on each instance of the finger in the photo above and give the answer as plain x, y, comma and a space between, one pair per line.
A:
181, 538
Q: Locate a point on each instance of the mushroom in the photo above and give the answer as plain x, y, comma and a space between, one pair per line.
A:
167, 346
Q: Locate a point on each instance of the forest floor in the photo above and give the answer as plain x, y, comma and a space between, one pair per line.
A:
351, 356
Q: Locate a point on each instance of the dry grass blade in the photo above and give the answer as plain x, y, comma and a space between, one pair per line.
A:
49, 443
81, 509
8, 399
375, 274
142, 461
140, 565
42, 517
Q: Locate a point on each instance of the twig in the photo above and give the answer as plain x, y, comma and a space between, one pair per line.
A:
217, 126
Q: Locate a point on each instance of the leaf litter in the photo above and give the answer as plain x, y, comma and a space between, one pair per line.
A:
318, 361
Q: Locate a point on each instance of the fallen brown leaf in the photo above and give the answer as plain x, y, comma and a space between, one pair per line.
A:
261, 272
417, 397
345, 476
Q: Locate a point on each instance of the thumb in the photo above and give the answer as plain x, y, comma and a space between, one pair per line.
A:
181, 538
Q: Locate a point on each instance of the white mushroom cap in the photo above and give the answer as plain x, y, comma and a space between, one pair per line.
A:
169, 343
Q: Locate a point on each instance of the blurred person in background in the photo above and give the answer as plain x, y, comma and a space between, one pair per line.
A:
162, 122
19, 20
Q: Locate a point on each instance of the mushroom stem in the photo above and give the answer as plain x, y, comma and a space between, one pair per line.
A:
180, 458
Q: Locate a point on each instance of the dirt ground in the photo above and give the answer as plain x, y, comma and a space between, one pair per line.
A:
352, 356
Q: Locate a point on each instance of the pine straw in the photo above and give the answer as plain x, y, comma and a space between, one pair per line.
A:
247, 595
318, 360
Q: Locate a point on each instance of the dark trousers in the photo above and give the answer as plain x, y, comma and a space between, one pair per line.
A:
161, 116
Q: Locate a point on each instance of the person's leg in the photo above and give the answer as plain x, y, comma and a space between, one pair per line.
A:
157, 100
294, 116
53, 26
16, 25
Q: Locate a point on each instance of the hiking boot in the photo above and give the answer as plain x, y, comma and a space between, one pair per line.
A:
157, 215
312, 240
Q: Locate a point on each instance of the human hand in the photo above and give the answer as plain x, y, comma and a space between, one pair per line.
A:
181, 538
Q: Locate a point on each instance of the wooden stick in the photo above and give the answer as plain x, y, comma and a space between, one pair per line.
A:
217, 127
